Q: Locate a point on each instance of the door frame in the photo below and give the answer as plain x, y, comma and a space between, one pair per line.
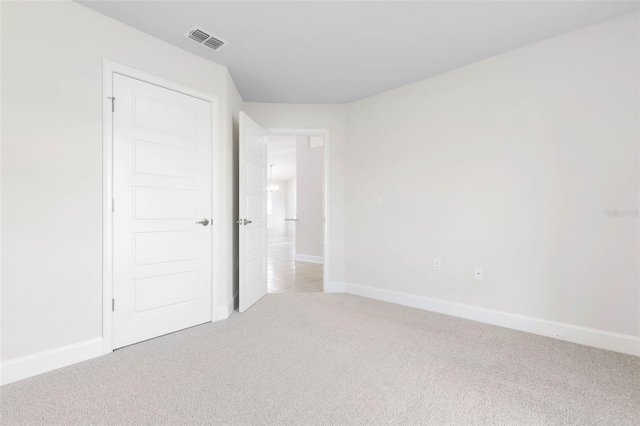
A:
327, 190
108, 70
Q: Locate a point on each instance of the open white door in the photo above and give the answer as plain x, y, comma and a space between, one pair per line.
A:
252, 213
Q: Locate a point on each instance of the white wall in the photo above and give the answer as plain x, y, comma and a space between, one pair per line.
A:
309, 196
330, 117
52, 163
509, 164
292, 204
278, 230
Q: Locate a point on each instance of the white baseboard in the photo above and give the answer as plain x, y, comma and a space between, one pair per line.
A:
582, 335
335, 287
280, 240
308, 258
32, 365
224, 311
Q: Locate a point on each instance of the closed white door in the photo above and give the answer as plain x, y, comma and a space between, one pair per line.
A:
252, 212
162, 211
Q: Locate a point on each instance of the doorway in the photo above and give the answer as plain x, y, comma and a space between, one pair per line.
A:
295, 213
253, 189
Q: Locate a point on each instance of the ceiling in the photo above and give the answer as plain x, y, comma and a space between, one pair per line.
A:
281, 152
338, 52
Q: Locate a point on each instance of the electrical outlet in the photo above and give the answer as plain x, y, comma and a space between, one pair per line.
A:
437, 264
478, 273
376, 201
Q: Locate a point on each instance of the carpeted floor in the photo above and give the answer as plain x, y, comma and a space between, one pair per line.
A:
314, 358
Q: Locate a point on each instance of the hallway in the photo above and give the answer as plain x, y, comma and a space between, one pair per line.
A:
287, 275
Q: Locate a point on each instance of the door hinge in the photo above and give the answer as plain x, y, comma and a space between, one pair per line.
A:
113, 103
113, 305
113, 204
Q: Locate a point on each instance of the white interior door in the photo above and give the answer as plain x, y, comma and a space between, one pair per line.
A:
162, 210
252, 212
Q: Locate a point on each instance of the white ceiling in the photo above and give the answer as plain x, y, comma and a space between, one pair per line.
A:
281, 152
338, 52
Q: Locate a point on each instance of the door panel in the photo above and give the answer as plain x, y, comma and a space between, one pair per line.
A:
165, 203
165, 117
253, 208
164, 160
162, 187
162, 247
157, 292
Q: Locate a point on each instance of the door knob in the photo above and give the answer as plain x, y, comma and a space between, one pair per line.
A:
243, 222
203, 222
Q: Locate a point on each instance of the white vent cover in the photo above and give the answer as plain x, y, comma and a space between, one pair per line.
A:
205, 38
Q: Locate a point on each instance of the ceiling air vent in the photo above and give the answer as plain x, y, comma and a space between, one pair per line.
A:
214, 43
198, 35
205, 38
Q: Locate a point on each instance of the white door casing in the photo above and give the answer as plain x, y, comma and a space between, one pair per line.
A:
252, 223
161, 188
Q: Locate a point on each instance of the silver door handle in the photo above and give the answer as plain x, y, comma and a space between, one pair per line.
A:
291, 220
243, 222
203, 222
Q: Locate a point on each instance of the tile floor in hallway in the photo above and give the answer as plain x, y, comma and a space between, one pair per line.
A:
288, 275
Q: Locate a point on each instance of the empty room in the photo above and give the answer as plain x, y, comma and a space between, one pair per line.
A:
320, 212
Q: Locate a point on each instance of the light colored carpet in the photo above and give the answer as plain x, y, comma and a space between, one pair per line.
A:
314, 358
